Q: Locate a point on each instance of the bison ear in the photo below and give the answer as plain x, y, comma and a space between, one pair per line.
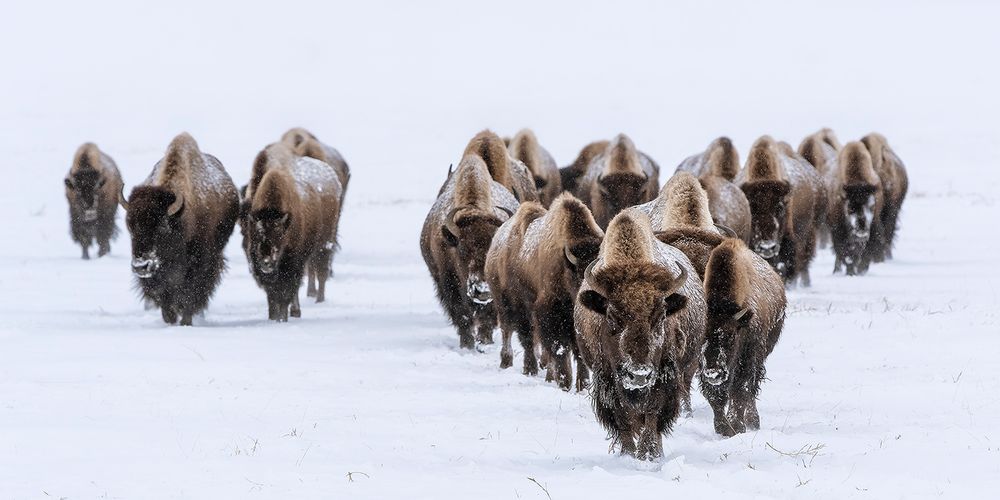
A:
69, 183
540, 183
784, 188
450, 239
673, 303
594, 301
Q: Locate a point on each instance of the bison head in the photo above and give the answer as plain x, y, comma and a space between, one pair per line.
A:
83, 190
153, 217
768, 215
725, 326
638, 303
267, 229
859, 210
616, 192
470, 231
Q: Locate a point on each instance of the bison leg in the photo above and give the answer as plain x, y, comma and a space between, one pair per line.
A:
752, 418
104, 248
86, 251
310, 281
506, 352
295, 310
717, 400
582, 374
186, 319
168, 313
320, 267
484, 332
524, 335
650, 442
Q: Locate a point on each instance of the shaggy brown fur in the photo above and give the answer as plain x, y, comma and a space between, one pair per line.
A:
787, 198
715, 168
571, 174
618, 178
524, 147
508, 172
180, 219
292, 214
93, 185
895, 184
746, 313
639, 318
454, 242
534, 268
856, 204
820, 150
304, 143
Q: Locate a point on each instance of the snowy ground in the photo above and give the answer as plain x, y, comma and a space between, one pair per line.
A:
886, 386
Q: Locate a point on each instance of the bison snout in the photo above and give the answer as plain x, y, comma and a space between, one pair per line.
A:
267, 264
145, 267
479, 291
90, 215
768, 248
637, 376
715, 376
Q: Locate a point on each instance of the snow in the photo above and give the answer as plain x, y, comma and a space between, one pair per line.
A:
883, 386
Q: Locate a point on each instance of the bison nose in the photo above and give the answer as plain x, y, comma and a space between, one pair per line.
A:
637, 376
715, 376
767, 248
143, 267
479, 291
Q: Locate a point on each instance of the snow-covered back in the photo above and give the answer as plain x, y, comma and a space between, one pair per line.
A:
882, 386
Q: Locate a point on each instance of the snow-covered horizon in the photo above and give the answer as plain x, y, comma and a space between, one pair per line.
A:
883, 386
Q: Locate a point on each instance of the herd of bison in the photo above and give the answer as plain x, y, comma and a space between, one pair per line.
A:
641, 287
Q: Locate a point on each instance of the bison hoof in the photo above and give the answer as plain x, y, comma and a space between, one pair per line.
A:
506, 360
295, 313
725, 429
465, 341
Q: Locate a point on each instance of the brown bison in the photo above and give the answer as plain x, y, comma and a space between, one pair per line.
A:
746, 312
716, 168
524, 147
289, 220
534, 268
680, 217
820, 150
180, 219
895, 184
304, 143
454, 242
571, 174
787, 200
640, 318
92, 188
856, 204
618, 178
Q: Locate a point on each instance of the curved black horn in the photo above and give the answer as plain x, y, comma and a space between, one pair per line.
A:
506, 210
571, 258
726, 231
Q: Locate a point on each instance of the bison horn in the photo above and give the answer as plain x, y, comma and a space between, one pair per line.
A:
121, 198
571, 258
176, 205
588, 277
678, 281
449, 222
506, 211
726, 231
739, 314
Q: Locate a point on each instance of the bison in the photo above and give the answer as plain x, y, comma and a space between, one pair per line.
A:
525, 148
639, 318
895, 184
716, 168
304, 143
787, 200
534, 268
820, 150
746, 312
180, 219
571, 174
618, 178
855, 210
505, 170
454, 242
289, 220
92, 188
